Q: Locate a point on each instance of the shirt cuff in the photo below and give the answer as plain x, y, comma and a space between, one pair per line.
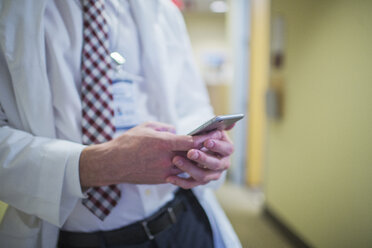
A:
72, 177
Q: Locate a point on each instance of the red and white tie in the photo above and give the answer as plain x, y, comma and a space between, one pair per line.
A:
97, 121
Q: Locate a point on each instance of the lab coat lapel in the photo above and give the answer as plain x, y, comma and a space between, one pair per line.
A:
154, 55
27, 67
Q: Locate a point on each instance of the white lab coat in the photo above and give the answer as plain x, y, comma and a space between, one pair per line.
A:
33, 162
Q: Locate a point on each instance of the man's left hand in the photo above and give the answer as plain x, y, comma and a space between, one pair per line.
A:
205, 164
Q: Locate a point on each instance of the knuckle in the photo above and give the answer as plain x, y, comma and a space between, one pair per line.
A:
218, 146
202, 157
226, 164
215, 165
183, 184
188, 141
204, 179
219, 135
204, 183
194, 143
217, 176
231, 149
198, 177
216, 135
208, 179
218, 165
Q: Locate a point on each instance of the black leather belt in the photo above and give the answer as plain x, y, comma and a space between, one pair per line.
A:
135, 233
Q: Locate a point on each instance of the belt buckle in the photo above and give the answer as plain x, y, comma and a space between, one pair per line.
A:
173, 219
147, 230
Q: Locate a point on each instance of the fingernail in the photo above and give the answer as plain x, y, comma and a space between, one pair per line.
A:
194, 155
169, 180
209, 144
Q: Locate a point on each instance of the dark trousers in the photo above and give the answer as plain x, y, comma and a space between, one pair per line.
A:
191, 230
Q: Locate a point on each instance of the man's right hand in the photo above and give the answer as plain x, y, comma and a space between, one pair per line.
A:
142, 155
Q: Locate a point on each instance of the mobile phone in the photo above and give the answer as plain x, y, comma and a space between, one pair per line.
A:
219, 122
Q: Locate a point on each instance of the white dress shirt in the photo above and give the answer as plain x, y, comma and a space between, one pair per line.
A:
137, 201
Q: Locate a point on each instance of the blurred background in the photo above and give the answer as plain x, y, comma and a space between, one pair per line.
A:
301, 71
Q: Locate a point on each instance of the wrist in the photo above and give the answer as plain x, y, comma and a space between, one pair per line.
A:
92, 166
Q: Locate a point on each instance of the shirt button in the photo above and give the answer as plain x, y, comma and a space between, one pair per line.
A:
148, 192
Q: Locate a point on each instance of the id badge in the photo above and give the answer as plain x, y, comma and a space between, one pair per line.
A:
125, 96
124, 105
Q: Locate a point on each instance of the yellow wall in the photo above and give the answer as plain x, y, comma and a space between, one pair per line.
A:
259, 70
319, 156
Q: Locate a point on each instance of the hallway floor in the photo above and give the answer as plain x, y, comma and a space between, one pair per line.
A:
243, 206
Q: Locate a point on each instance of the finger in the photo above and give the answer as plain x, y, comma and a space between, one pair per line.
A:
209, 161
185, 183
225, 137
200, 139
159, 126
201, 175
175, 171
221, 147
181, 142
230, 127
187, 142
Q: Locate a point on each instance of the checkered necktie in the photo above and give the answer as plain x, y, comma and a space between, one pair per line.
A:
97, 121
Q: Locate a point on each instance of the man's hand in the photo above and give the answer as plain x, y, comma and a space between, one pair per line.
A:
205, 164
142, 155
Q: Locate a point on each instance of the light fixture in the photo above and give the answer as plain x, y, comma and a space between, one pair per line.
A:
218, 7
